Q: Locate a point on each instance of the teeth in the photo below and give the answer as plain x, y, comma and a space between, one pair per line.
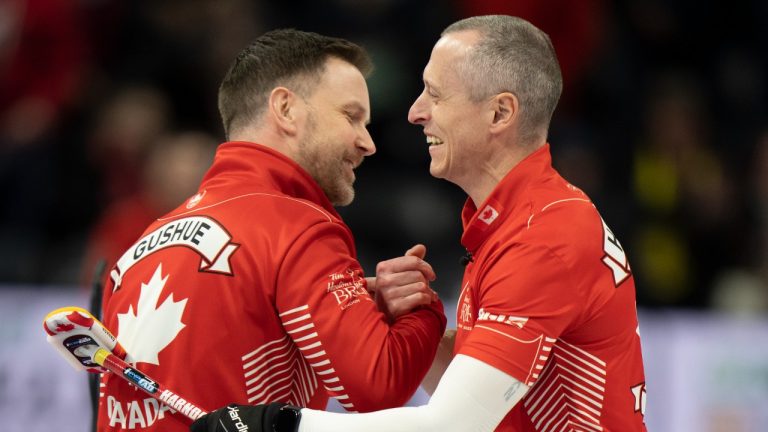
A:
433, 140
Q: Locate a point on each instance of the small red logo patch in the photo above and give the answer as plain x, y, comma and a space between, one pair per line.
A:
61, 327
488, 215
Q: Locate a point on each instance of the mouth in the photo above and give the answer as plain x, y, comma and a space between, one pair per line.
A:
352, 166
433, 140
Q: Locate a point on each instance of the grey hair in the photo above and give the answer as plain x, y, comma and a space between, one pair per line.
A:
512, 56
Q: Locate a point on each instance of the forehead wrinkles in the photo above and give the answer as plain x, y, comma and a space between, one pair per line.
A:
445, 81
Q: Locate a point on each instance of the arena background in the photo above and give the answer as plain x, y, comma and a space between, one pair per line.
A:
108, 118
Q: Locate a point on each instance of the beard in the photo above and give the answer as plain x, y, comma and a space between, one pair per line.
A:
324, 161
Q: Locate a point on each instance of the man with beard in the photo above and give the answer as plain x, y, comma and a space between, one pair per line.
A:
250, 291
547, 335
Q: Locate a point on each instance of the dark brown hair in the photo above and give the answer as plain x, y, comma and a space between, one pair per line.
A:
285, 57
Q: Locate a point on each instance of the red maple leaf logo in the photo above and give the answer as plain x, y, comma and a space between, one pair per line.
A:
62, 327
487, 214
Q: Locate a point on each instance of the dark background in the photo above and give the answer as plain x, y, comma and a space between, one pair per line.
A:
662, 122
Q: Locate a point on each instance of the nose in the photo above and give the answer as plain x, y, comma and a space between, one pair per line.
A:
418, 113
365, 143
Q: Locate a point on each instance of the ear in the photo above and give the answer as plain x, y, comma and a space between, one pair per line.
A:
283, 109
506, 110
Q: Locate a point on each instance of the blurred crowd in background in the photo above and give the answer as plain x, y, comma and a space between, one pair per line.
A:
108, 119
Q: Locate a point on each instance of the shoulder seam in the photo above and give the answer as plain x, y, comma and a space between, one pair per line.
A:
528, 225
320, 210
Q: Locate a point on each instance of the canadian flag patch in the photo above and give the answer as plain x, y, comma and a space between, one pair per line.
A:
488, 215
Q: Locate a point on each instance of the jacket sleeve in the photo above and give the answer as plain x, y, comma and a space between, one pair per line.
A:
362, 360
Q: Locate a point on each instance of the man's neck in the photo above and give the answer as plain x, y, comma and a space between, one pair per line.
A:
486, 177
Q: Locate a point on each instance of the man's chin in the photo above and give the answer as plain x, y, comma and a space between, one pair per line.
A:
436, 172
342, 198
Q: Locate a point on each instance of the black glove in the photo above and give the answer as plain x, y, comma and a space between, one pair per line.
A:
275, 417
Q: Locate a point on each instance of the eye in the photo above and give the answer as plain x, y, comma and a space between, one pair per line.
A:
355, 117
434, 97
431, 92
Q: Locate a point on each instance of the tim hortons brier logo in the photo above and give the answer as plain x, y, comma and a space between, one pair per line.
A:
465, 319
347, 287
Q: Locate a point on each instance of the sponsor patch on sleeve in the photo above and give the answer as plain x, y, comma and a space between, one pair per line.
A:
348, 287
512, 320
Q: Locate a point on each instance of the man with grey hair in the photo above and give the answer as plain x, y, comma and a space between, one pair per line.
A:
547, 333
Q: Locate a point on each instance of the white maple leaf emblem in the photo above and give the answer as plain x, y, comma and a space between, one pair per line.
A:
151, 328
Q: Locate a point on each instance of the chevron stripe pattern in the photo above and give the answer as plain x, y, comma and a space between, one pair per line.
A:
569, 395
291, 368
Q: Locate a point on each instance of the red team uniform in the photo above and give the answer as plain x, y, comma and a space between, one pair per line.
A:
549, 298
250, 292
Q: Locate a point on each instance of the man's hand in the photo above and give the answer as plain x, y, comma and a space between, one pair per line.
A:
402, 283
275, 417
